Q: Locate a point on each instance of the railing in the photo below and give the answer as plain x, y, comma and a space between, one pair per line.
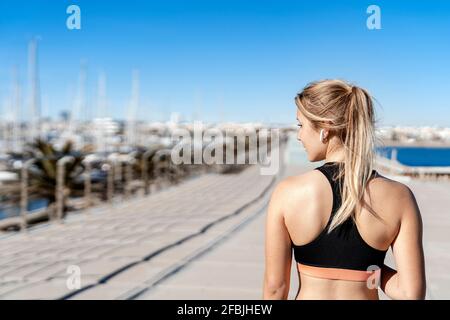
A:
60, 188
113, 165
395, 167
24, 193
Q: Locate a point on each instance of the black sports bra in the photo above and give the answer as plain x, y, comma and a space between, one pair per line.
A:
343, 248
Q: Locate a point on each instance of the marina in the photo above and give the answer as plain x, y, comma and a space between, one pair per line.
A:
141, 143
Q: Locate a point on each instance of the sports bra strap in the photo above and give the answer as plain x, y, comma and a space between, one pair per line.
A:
328, 172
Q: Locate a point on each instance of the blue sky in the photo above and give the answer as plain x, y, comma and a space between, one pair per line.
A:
236, 60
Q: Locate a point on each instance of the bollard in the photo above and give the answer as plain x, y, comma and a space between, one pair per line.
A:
156, 166
24, 193
60, 170
145, 157
87, 182
113, 171
130, 160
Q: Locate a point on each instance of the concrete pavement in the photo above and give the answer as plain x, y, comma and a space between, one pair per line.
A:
108, 243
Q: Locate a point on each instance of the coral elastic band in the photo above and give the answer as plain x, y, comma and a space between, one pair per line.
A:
337, 273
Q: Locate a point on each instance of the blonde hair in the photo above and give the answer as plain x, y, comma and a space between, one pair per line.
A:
347, 112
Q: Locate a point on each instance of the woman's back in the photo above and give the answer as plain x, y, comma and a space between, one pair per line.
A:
365, 212
350, 246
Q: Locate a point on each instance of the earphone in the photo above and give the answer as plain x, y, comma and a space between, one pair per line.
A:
321, 135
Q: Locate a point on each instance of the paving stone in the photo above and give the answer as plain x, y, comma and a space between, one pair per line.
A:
104, 292
164, 292
111, 237
132, 250
45, 290
20, 273
101, 267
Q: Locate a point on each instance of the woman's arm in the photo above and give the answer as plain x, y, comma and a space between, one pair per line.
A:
278, 251
408, 282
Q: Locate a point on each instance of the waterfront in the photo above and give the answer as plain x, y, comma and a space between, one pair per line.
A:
98, 98
417, 156
402, 156
179, 244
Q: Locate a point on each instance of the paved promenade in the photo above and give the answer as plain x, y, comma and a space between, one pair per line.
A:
124, 248
234, 268
201, 239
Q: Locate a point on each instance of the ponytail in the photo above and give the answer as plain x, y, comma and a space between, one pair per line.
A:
346, 111
359, 144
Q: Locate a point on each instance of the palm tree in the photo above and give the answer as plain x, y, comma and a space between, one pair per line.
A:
161, 168
43, 172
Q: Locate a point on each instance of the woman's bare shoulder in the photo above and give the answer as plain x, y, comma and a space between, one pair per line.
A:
313, 180
297, 188
388, 187
391, 197
311, 185
297, 183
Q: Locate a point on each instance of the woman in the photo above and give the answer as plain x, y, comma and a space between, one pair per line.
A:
340, 218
